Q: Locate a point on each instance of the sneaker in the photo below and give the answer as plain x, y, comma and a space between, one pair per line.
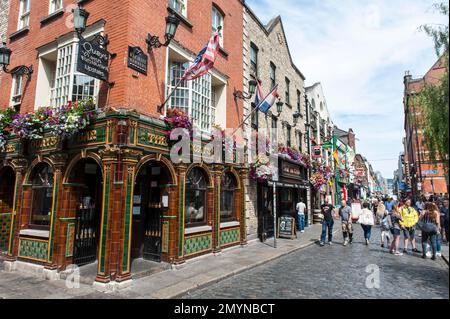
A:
345, 243
367, 242
330, 243
302, 231
322, 243
397, 253
428, 254
405, 251
416, 250
438, 254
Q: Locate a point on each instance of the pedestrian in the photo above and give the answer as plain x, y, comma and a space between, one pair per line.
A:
301, 209
394, 221
438, 237
345, 212
420, 204
429, 222
410, 217
366, 220
389, 204
385, 229
327, 223
381, 210
444, 219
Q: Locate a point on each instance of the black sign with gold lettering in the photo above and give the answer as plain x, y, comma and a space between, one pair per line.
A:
137, 59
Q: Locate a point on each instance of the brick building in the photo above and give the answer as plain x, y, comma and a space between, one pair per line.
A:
267, 58
111, 192
426, 177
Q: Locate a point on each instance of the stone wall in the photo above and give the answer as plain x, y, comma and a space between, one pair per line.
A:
4, 9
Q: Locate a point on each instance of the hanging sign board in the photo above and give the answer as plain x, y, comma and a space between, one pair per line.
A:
317, 152
137, 60
286, 227
93, 60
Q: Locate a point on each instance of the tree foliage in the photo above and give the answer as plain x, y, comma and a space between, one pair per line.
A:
434, 97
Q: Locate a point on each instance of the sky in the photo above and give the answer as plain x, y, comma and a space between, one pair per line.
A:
359, 50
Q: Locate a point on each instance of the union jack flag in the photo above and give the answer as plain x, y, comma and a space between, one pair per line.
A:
204, 60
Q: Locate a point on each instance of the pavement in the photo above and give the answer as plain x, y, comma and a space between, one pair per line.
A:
163, 284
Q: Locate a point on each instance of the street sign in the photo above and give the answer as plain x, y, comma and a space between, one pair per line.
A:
137, 59
317, 152
93, 60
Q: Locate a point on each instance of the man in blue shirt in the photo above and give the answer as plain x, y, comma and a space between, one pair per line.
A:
389, 204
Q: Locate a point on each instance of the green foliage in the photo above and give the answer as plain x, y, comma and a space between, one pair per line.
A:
434, 98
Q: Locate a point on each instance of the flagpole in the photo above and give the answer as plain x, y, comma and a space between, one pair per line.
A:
160, 107
254, 109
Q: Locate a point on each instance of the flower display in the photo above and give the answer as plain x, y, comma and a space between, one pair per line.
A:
5, 121
177, 119
295, 155
322, 176
261, 170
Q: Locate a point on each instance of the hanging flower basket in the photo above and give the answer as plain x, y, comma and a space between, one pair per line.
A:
261, 170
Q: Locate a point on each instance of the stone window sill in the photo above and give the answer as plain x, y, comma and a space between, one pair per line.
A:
19, 33
35, 233
229, 224
200, 229
51, 16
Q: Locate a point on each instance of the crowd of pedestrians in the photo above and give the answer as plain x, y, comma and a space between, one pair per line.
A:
396, 219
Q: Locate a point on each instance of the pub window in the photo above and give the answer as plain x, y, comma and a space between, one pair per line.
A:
227, 198
179, 6
55, 5
196, 190
24, 14
17, 88
41, 179
217, 21
273, 72
254, 59
299, 140
60, 80
288, 91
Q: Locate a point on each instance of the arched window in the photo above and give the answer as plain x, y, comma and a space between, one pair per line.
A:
196, 198
41, 179
227, 198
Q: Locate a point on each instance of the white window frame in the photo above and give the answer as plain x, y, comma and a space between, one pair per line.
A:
218, 22
24, 14
182, 4
52, 6
17, 89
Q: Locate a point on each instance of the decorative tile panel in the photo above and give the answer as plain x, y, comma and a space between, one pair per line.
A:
229, 236
165, 238
70, 239
33, 249
5, 228
197, 244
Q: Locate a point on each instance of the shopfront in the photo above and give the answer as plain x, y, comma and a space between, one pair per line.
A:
111, 194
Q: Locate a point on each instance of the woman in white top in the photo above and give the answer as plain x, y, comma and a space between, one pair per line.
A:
367, 221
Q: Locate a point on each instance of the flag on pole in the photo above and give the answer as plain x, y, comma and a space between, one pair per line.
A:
204, 60
269, 101
259, 96
336, 156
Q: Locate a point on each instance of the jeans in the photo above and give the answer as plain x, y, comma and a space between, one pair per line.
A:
301, 222
432, 238
438, 243
327, 225
367, 231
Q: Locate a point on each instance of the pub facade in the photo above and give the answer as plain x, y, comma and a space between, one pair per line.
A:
110, 192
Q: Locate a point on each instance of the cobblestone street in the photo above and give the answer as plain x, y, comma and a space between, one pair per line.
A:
337, 272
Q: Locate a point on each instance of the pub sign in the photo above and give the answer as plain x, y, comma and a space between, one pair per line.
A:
93, 60
137, 59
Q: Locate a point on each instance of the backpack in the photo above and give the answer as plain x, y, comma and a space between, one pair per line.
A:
385, 222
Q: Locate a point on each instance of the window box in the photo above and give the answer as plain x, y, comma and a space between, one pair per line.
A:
52, 16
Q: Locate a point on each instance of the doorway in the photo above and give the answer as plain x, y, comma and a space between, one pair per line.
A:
87, 182
150, 201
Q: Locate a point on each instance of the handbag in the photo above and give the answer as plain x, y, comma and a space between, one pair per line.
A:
427, 226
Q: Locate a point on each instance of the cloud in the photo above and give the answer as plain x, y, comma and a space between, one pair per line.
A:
359, 50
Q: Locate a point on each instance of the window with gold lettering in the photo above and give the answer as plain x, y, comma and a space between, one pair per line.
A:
41, 179
227, 198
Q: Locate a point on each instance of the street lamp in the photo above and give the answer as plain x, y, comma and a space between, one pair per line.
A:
172, 23
5, 59
296, 116
279, 107
80, 17
246, 96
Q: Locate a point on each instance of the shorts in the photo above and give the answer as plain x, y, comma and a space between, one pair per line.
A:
409, 232
395, 231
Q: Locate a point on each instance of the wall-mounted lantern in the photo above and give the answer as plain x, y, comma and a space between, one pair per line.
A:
5, 59
153, 41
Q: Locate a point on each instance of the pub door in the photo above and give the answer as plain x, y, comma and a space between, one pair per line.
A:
147, 213
265, 212
88, 176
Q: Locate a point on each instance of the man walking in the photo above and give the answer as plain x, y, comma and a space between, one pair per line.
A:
301, 209
345, 212
444, 219
389, 204
410, 217
327, 223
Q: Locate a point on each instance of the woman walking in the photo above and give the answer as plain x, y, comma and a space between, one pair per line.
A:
367, 221
394, 220
430, 225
